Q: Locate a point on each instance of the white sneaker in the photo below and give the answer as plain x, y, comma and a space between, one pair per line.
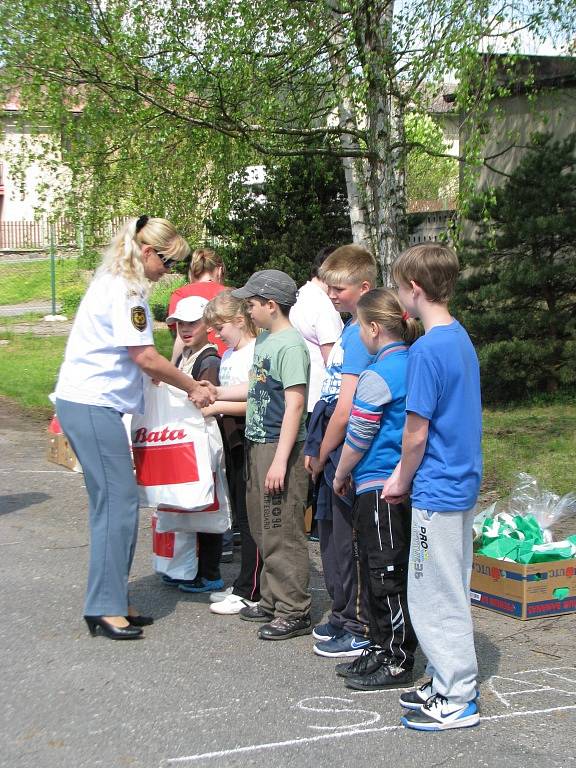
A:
216, 597
230, 605
437, 714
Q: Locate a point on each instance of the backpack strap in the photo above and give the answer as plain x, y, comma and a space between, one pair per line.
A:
208, 352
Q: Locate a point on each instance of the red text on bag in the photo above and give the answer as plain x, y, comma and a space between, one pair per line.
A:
144, 436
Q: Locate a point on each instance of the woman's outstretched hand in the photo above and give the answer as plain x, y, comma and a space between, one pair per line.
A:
202, 394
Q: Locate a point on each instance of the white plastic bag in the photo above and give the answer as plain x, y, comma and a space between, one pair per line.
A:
174, 453
528, 499
548, 508
213, 519
174, 553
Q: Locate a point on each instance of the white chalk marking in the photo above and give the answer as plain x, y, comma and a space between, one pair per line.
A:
551, 672
342, 734
373, 717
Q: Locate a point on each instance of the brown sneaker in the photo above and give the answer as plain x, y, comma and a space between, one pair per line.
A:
285, 627
255, 613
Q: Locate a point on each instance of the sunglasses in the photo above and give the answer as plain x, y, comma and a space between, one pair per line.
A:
166, 260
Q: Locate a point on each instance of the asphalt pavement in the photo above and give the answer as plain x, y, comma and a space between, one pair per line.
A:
203, 690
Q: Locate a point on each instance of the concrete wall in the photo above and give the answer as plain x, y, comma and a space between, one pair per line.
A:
34, 193
511, 121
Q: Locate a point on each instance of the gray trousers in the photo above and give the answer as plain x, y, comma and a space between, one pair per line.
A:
99, 440
439, 600
277, 526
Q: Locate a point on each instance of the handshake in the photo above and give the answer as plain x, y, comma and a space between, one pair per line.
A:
202, 393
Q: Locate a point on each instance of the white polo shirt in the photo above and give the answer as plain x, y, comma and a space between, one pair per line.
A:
97, 369
319, 323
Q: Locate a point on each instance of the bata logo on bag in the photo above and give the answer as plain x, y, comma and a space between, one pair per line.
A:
143, 436
164, 456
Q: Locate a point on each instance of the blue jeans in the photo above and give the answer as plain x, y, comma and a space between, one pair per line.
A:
98, 438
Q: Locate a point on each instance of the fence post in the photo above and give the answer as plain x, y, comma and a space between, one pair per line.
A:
80, 241
52, 266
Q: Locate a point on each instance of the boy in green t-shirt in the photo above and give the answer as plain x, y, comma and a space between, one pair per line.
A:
277, 485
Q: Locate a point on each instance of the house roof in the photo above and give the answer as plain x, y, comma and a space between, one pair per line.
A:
526, 72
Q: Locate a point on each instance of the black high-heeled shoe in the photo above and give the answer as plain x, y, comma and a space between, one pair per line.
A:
140, 621
109, 630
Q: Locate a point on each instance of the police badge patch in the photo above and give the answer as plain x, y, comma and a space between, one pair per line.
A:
138, 317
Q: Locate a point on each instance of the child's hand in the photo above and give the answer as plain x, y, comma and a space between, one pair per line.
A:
341, 485
202, 394
208, 411
393, 492
313, 466
274, 482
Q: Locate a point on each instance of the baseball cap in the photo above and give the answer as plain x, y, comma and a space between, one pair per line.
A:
188, 310
270, 284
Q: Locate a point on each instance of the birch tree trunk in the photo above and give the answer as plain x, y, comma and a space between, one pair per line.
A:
385, 182
356, 191
354, 168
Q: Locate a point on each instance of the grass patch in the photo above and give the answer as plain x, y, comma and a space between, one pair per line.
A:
164, 342
29, 366
28, 369
21, 282
537, 439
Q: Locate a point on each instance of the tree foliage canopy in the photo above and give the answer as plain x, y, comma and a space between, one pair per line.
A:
176, 94
301, 208
518, 293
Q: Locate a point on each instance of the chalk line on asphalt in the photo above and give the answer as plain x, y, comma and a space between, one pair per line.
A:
340, 735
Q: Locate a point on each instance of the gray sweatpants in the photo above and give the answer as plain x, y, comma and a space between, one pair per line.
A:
439, 600
99, 440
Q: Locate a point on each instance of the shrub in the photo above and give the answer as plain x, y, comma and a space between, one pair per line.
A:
70, 298
160, 297
521, 368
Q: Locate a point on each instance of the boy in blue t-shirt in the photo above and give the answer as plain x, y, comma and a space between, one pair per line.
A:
350, 272
441, 466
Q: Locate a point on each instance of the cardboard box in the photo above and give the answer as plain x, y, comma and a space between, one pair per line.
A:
523, 591
60, 452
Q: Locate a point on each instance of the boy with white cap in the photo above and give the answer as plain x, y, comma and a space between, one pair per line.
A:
200, 360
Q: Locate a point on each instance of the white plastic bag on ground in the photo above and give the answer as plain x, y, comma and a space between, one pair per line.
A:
174, 554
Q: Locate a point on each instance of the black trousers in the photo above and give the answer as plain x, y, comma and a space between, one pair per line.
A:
341, 565
209, 554
247, 583
383, 532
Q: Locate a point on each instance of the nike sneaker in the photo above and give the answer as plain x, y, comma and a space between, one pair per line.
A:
344, 646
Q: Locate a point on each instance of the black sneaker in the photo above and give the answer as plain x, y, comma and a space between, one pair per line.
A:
285, 627
255, 613
386, 676
371, 658
227, 556
417, 698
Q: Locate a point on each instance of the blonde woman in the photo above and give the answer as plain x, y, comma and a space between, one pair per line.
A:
110, 346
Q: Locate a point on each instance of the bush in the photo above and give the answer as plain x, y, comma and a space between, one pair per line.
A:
90, 259
519, 369
160, 297
70, 298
